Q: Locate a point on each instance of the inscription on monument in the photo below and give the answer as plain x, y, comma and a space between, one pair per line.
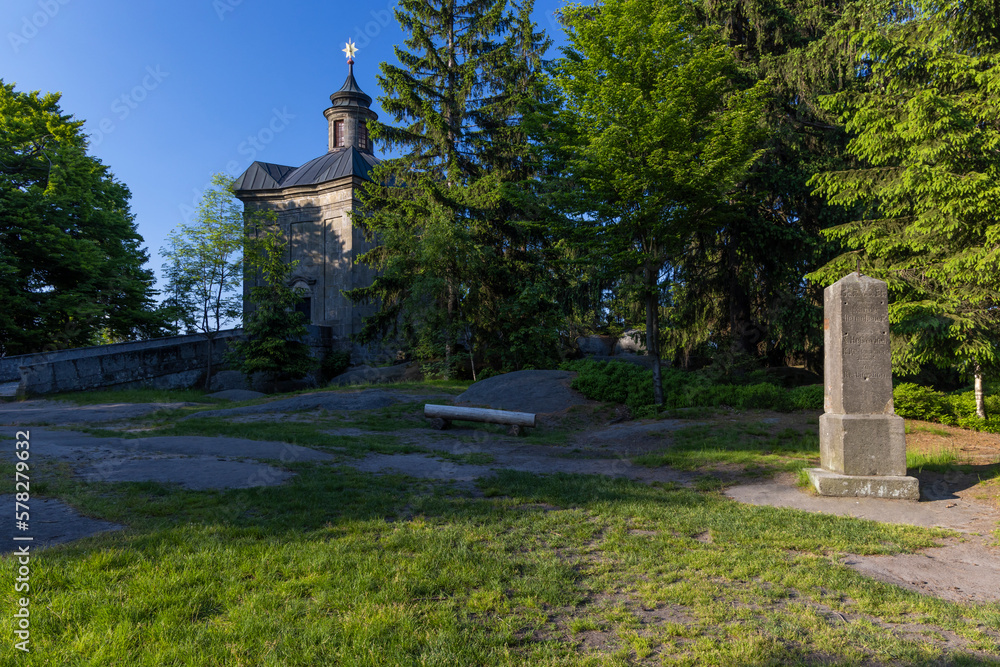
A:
858, 370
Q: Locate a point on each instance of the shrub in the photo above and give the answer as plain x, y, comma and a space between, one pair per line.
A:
762, 395
613, 382
810, 397
916, 402
619, 382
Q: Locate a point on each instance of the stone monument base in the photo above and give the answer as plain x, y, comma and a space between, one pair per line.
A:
863, 444
899, 487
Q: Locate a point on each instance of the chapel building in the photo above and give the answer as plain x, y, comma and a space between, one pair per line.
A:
312, 204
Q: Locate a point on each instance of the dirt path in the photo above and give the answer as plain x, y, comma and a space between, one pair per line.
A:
964, 569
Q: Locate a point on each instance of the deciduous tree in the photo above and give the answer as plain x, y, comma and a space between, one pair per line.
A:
662, 134
204, 264
71, 258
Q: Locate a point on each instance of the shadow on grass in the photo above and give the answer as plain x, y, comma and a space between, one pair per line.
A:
753, 446
944, 481
338, 565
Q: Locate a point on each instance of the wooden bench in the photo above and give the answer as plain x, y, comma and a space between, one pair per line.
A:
441, 417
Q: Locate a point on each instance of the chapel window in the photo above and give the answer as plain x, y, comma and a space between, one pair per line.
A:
362, 136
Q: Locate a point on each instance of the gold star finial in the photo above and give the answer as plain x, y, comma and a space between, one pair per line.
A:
350, 50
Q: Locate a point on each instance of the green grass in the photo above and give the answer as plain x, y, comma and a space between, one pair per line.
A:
454, 387
341, 568
337, 567
137, 396
942, 460
94, 397
917, 428
548, 437
307, 434
469, 458
752, 447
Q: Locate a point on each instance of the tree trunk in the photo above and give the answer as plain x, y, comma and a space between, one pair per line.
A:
208, 369
980, 394
449, 347
653, 333
744, 338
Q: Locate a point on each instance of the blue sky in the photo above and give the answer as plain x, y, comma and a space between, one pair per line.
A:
174, 91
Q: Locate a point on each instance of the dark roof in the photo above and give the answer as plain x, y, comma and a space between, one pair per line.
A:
350, 94
262, 176
339, 163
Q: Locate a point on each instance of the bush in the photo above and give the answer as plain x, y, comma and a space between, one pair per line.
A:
619, 382
759, 396
613, 382
810, 397
956, 409
916, 402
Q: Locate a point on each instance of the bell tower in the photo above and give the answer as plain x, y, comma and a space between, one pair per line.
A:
313, 203
349, 114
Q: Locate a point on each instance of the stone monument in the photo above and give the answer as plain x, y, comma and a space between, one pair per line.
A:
861, 439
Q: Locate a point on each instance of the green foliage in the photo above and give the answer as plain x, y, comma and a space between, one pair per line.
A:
273, 329
761, 396
71, 259
613, 382
657, 131
204, 263
740, 283
619, 382
810, 397
916, 402
457, 257
924, 197
955, 409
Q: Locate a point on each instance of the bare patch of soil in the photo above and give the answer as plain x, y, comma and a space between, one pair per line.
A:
977, 454
964, 570
971, 447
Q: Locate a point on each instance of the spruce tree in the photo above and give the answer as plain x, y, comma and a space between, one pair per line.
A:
740, 284
926, 196
273, 328
455, 253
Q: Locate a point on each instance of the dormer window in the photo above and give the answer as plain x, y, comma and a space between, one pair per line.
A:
362, 136
338, 133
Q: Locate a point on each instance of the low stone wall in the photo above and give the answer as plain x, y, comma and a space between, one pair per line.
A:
175, 362
163, 363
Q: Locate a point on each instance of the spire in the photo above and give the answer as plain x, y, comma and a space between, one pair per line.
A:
349, 112
350, 94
